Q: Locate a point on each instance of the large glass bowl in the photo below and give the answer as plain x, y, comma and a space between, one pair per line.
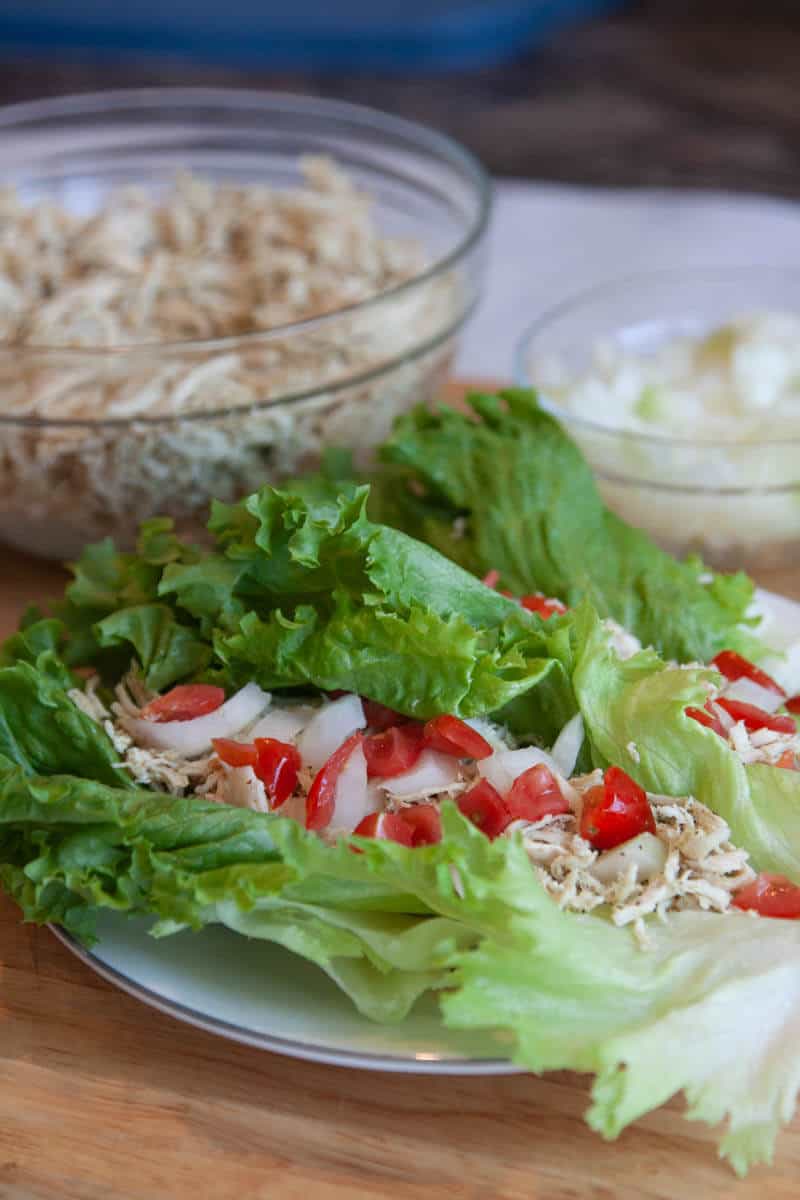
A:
735, 502
64, 482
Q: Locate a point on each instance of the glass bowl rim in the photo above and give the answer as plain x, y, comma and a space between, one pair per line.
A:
159, 99
618, 284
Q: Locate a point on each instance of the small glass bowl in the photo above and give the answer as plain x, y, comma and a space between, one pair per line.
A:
66, 481
737, 503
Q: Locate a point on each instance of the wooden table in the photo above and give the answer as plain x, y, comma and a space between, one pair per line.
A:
690, 93
103, 1099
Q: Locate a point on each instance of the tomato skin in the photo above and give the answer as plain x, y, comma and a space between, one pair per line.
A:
535, 794
394, 751
185, 702
321, 798
277, 766
451, 735
544, 606
793, 705
734, 666
485, 807
787, 761
615, 812
388, 826
235, 754
379, 717
424, 822
705, 716
756, 718
770, 896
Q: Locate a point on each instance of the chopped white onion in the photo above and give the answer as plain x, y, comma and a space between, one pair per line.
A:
193, 738
725, 719
647, 852
501, 769
332, 725
353, 798
432, 772
281, 723
244, 789
750, 692
567, 745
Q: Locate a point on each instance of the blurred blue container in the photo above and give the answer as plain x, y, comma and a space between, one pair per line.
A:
307, 34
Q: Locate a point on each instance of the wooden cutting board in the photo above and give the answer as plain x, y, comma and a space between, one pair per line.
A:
102, 1098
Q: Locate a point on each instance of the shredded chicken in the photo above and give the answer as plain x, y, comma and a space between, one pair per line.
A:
702, 868
150, 768
697, 868
170, 272
762, 745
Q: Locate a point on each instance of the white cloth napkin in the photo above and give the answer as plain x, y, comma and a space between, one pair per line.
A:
549, 242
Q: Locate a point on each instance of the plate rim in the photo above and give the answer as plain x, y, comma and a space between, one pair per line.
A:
288, 1047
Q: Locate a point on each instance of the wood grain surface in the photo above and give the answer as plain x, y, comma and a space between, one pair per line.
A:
103, 1099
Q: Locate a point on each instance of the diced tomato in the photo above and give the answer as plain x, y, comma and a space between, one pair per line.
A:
277, 765
734, 666
770, 896
787, 761
424, 822
379, 717
491, 578
756, 718
535, 794
389, 826
235, 754
545, 606
321, 797
793, 704
394, 751
451, 735
706, 716
185, 702
485, 807
615, 812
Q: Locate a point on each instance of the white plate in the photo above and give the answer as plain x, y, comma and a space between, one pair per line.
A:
260, 994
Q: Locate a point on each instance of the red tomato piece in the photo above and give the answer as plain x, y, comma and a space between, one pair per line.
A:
491, 578
545, 606
451, 735
535, 794
615, 812
793, 705
185, 702
235, 754
321, 798
379, 717
734, 666
424, 822
485, 807
770, 896
756, 718
389, 826
706, 716
394, 751
277, 765
787, 761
